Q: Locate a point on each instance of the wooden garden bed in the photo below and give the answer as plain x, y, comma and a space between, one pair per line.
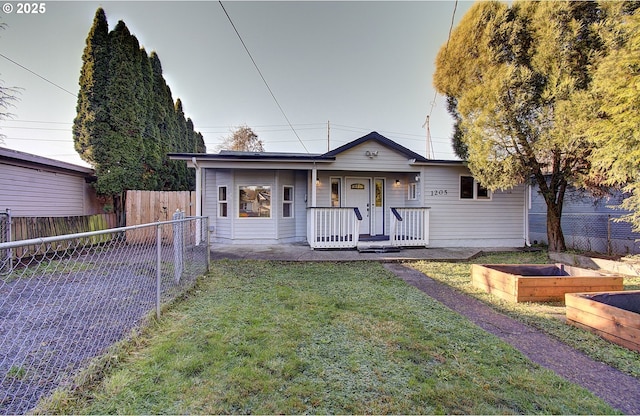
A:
540, 282
614, 316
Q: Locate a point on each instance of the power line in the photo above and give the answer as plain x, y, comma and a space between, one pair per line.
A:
39, 76
262, 76
433, 103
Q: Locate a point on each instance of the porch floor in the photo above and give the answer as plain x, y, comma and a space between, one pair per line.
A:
302, 252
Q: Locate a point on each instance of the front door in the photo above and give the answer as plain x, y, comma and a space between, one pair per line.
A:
359, 195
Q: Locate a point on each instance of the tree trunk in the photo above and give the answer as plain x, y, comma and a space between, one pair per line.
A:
554, 228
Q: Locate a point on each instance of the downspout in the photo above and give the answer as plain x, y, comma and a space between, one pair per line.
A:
198, 187
314, 180
199, 237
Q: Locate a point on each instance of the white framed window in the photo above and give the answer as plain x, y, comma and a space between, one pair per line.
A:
222, 202
287, 202
412, 191
254, 201
336, 189
472, 189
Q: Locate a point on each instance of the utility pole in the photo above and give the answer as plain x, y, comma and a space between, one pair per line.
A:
328, 136
429, 146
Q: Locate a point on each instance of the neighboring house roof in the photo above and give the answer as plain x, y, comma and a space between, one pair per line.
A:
39, 162
229, 155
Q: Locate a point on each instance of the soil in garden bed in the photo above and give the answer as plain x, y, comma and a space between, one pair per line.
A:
627, 301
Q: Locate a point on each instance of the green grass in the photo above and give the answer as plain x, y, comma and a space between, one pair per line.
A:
267, 338
548, 317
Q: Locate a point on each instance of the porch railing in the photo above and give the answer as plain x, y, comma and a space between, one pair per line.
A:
333, 227
409, 227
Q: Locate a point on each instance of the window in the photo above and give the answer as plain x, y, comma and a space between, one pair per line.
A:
471, 189
335, 192
254, 201
412, 192
287, 202
222, 202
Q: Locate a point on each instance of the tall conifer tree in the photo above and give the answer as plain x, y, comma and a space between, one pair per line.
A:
126, 119
92, 119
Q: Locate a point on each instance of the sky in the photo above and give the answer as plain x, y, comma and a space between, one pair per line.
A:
337, 70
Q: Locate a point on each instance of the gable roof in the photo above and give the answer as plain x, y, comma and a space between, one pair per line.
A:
377, 137
231, 156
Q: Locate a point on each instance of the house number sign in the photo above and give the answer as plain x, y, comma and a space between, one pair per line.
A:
438, 192
357, 186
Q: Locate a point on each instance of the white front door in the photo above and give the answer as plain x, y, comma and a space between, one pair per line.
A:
358, 194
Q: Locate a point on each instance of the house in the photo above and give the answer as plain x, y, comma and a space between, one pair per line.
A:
589, 223
35, 186
370, 188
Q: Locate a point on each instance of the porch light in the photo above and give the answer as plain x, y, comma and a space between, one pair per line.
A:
397, 182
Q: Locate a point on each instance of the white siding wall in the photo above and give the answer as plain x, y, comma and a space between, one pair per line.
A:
498, 222
236, 230
355, 158
455, 222
30, 192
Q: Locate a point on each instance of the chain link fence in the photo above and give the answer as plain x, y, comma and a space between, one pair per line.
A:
595, 232
65, 300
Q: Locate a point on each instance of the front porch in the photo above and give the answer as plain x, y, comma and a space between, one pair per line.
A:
340, 227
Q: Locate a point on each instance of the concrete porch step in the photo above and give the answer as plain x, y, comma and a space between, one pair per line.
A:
376, 247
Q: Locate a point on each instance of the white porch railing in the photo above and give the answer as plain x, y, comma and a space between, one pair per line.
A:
409, 227
333, 227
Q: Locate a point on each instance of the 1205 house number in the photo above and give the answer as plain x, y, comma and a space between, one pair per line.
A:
438, 192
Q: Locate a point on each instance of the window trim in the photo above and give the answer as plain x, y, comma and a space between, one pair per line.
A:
224, 201
339, 181
412, 191
476, 187
239, 188
289, 202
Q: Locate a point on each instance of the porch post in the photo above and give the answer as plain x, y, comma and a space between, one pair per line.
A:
314, 179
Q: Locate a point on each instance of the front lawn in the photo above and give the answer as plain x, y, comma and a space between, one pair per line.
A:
265, 338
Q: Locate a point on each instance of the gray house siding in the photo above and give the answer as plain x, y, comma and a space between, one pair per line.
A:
498, 221
32, 186
410, 181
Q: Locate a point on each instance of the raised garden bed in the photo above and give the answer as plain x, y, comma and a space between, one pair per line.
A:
614, 316
540, 282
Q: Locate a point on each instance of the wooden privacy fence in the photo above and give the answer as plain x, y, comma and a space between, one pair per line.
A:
26, 228
144, 207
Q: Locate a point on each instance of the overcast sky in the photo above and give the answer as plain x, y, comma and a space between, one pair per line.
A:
361, 66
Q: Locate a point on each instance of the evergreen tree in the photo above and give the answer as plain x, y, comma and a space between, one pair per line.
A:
511, 72
92, 119
609, 113
126, 119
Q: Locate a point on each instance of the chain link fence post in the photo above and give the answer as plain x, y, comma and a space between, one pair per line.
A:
6, 257
178, 245
158, 269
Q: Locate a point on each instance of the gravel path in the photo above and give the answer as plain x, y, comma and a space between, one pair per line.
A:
54, 323
616, 388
